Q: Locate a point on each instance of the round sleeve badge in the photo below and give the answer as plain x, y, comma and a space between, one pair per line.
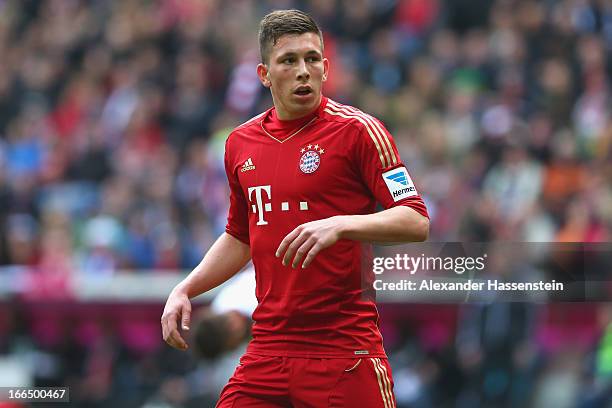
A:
311, 158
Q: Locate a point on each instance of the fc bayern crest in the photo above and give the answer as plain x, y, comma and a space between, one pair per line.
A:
311, 158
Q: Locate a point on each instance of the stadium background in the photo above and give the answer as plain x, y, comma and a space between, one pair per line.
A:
113, 116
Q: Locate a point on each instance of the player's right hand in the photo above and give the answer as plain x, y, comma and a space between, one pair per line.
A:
176, 312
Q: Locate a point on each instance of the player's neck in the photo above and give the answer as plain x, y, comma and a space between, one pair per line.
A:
285, 116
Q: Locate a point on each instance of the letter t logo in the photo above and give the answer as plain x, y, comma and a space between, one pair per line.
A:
260, 204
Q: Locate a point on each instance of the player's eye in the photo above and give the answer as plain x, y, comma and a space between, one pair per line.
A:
288, 61
312, 59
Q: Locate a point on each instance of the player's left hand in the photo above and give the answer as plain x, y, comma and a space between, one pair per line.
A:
307, 240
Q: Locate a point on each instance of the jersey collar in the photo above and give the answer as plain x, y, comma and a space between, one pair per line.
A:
283, 130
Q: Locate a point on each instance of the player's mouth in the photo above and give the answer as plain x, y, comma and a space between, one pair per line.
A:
303, 91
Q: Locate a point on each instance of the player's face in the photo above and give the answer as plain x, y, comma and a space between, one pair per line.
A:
295, 74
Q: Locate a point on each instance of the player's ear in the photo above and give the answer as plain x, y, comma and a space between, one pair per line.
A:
325, 69
264, 75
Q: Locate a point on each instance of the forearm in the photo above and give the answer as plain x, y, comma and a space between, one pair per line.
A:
222, 261
394, 225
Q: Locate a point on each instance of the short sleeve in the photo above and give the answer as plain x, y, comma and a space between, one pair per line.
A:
382, 169
237, 217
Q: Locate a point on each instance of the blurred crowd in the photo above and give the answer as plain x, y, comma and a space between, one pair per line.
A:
113, 116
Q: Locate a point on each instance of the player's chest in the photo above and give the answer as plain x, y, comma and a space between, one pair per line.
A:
309, 166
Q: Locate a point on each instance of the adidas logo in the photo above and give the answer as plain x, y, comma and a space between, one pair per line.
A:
248, 165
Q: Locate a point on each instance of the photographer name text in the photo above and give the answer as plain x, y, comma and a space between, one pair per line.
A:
469, 285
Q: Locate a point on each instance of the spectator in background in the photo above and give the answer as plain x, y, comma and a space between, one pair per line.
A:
226, 324
221, 333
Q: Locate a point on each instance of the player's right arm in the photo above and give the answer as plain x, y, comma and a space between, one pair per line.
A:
223, 260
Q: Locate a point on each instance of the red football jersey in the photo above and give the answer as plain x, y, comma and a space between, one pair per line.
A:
337, 161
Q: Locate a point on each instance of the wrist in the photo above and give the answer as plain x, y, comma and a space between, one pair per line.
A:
182, 289
343, 225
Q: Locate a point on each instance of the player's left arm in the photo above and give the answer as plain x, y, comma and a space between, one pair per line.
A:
404, 219
394, 225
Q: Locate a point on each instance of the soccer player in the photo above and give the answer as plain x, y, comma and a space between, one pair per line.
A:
305, 177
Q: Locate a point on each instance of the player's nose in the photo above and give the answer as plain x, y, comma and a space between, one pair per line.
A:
302, 72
